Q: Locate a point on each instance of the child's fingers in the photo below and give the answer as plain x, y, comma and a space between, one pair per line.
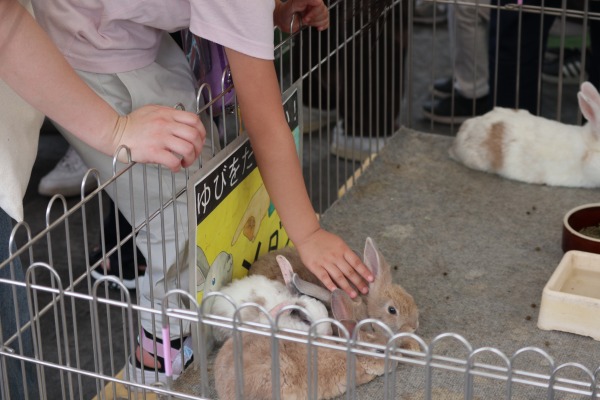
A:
317, 17
357, 264
340, 279
357, 280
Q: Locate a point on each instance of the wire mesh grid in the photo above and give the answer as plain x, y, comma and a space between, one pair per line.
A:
85, 329
531, 55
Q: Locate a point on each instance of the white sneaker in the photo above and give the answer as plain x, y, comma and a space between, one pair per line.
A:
313, 118
66, 177
357, 148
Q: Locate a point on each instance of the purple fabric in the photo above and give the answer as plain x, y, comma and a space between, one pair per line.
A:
209, 62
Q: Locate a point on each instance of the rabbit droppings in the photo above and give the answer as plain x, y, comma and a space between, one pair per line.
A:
293, 368
523, 147
386, 301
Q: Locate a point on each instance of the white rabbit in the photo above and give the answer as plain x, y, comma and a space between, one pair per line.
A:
271, 295
331, 364
527, 148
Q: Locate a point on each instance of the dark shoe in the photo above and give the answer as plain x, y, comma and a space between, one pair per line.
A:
430, 12
109, 266
442, 87
455, 110
570, 66
123, 268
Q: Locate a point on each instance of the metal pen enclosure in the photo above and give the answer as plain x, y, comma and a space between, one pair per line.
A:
361, 78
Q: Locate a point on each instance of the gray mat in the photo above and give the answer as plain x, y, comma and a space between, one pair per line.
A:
474, 249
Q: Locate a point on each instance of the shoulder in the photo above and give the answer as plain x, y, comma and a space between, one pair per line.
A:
243, 25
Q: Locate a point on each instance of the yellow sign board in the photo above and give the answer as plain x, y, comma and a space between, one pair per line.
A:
235, 221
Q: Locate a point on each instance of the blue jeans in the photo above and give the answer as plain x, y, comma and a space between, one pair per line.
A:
22, 378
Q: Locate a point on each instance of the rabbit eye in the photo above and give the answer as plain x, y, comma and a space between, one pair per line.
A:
301, 316
392, 310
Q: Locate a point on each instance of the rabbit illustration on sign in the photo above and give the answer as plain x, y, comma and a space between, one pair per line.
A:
210, 278
523, 147
253, 215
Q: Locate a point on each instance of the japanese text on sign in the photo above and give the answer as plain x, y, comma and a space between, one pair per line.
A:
223, 179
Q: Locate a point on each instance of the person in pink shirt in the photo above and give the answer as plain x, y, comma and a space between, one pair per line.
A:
122, 50
31, 65
35, 75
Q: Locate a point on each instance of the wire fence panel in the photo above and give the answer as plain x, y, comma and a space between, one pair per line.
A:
358, 83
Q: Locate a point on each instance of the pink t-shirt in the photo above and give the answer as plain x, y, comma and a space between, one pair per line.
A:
109, 36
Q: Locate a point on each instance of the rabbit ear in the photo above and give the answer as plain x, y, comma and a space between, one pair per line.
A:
312, 290
350, 325
273, 311
341, 305
201, 260
286, 269
375, 262
589, 103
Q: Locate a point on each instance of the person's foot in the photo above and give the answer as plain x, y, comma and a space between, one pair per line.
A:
66, 177
442, 87
569, 68
149, 368
353, 147
313, 118
429, 12
125, 257
455, 110
127, 272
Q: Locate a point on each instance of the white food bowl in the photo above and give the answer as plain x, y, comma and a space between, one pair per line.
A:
571, 298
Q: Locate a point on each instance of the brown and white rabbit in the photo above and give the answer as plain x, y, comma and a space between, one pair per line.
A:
331, 363
386, 301
269, 294
523, 147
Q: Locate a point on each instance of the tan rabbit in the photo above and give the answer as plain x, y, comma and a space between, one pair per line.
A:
331, 364
386, 301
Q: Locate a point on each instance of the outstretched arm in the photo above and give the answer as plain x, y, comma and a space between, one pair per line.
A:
324, 253
34, 68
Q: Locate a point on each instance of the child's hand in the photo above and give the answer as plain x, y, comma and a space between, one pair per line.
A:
334, 263
312, 13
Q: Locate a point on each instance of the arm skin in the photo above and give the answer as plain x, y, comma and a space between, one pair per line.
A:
325, 254
34, 68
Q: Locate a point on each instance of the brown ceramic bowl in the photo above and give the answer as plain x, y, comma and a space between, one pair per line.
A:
578, 218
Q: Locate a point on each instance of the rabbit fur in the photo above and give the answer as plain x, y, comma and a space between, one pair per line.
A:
270, 294
331, 364
523, 147
386, 301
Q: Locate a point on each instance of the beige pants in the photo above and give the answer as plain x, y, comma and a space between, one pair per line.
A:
163, 241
